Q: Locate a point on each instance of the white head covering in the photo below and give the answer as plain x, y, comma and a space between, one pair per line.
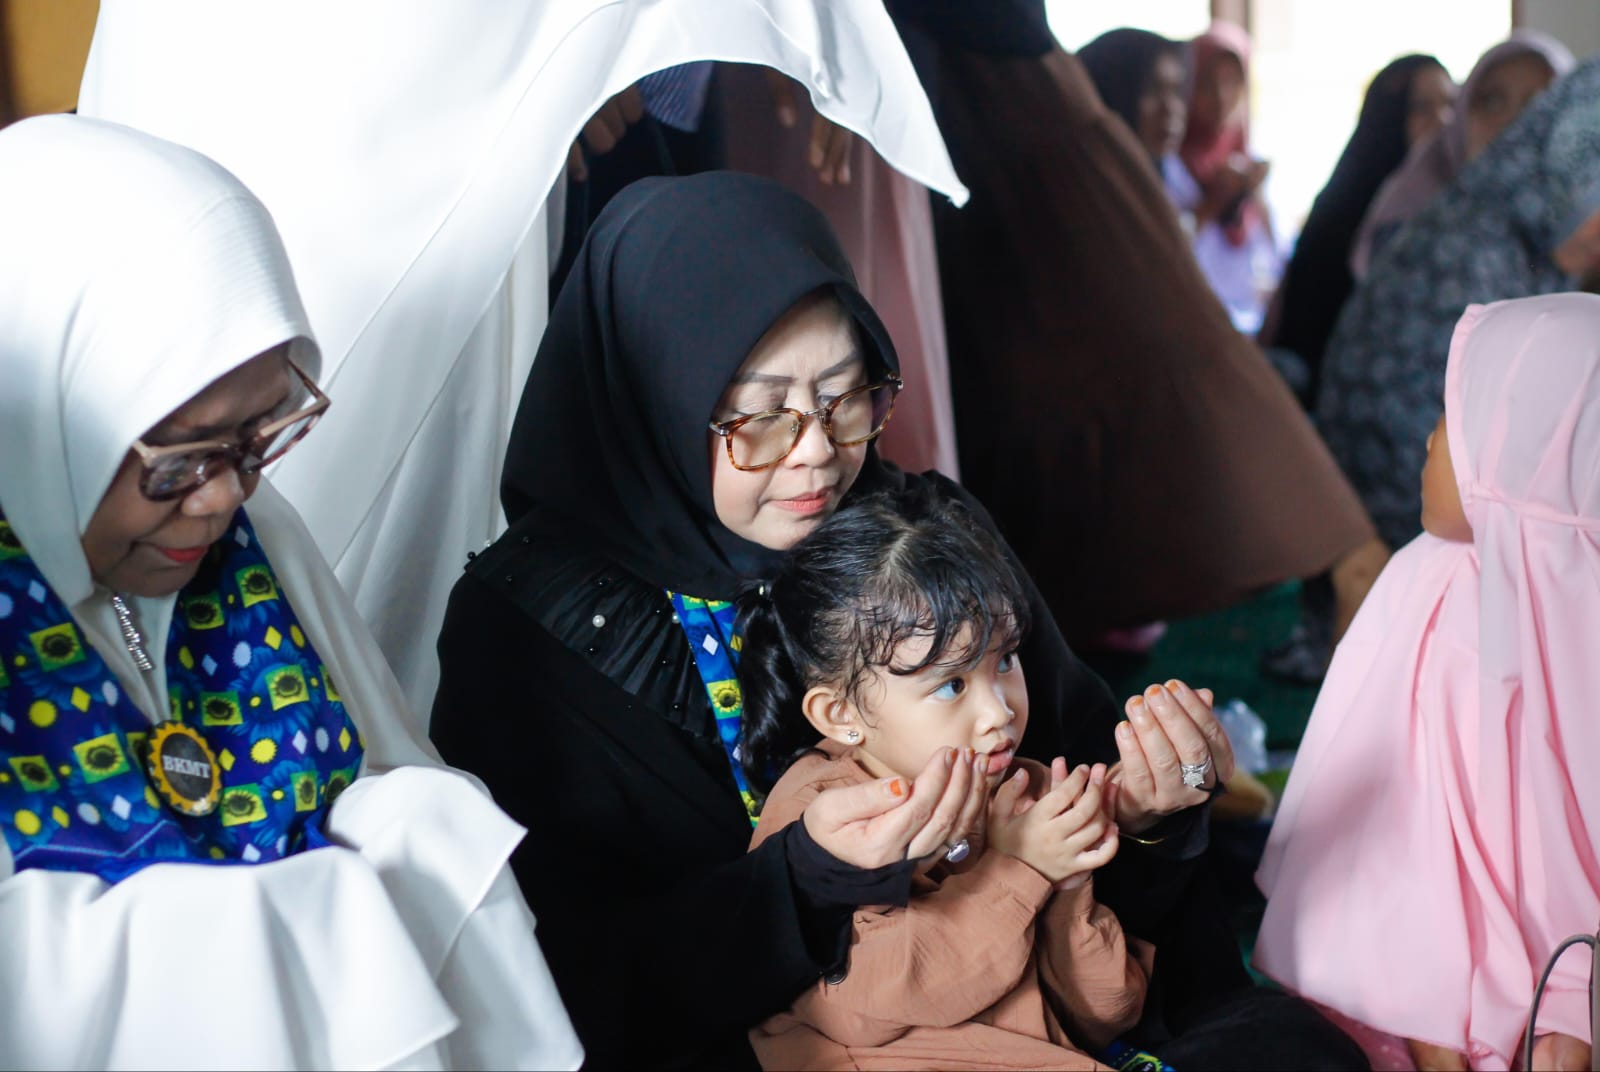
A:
135, 272
409, 151
406, 148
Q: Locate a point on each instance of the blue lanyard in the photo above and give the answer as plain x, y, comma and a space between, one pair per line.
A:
709, 625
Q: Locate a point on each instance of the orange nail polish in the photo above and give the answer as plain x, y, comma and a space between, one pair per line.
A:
1173, 685
897, 787
1138, 701
1153, 690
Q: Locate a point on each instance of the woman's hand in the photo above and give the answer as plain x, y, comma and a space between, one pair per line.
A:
1220, 196
927, 847
1232, 184
886, 821
828, 152
604, 130
1168, 727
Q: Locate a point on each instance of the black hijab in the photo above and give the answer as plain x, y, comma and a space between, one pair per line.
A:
610, 450
610, 453
1120, 63
1318, 282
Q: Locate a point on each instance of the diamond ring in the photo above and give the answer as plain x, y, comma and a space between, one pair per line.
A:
1194, 774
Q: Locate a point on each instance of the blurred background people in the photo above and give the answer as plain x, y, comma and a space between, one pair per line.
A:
1500, 86
1406, 104
1512, 224
1218, 187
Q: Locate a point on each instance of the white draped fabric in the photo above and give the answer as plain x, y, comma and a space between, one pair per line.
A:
137, 273
405, 148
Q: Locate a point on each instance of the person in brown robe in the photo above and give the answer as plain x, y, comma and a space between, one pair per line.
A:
1141, 456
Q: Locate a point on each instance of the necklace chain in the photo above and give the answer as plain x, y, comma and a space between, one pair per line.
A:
131, 635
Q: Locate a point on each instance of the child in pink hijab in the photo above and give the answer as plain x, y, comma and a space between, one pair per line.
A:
1438, 837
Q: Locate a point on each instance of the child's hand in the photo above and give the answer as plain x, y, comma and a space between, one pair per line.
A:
1099, 777
1064, 835
1099, 774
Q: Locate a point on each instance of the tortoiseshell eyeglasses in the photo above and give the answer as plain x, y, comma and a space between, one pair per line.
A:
765, 439
172, 472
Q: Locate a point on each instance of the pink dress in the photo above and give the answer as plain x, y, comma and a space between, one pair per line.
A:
885, 224
1438, 837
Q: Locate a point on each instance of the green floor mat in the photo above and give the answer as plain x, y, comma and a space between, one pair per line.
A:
1222, 652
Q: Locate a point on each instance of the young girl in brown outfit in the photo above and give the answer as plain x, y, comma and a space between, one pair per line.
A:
892, 634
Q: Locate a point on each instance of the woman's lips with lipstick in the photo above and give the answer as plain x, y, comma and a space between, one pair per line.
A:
183, 556
809, 503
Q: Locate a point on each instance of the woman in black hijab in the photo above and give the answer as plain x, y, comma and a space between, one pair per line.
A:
570, 686
1143, 78
1406, 102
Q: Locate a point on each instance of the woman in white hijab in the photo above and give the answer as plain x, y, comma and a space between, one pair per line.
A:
185, 690
406, 148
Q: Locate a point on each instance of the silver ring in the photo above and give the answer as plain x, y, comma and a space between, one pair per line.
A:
1194, 774
954, 854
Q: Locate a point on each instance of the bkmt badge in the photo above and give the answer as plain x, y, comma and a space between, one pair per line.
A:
183, 769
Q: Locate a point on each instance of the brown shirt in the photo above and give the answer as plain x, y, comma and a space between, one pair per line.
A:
987, 967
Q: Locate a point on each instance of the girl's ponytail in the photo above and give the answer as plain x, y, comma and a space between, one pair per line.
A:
770, 678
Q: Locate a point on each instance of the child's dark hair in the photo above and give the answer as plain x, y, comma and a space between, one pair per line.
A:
881, 571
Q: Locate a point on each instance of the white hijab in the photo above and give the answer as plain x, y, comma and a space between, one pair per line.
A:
406, 148
136, 272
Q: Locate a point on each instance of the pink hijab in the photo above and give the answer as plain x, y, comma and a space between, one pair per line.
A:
1205, 151
1433, 165
1438, 836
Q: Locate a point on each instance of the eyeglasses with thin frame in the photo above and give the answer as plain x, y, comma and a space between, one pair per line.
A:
173, 472
761, 440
